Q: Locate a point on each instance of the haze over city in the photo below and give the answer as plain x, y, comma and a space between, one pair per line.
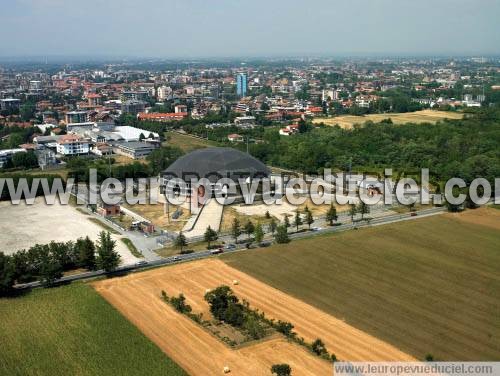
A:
224, 28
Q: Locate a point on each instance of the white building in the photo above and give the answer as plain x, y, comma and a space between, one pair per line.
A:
163, 93
72, 145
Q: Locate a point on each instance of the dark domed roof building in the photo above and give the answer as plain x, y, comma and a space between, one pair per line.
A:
216, 163
212, 164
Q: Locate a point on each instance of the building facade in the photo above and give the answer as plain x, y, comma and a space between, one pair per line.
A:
241, 84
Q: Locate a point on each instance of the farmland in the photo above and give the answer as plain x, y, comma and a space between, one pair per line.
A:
71, 330
424, 116
425, 286
138, 297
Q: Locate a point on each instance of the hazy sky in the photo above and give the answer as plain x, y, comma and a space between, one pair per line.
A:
230, 28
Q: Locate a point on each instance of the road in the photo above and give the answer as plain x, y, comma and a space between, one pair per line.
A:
141, 265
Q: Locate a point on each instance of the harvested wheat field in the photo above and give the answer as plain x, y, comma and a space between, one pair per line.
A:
484, 216
137, 296
423, 116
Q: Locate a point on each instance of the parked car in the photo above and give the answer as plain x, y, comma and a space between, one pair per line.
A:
230, 247
264, 244
176, 258
216, 251
142, 262
413, 214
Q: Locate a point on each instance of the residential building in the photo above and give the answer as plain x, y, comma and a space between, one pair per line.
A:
71, 144
76, 117
133, 106
180, 109
9, 104
241, 84
162, 116
235, 137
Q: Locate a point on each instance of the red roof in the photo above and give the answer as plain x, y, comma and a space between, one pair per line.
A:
160, 115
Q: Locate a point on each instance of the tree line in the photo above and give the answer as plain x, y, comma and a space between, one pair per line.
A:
466, 148
48, 262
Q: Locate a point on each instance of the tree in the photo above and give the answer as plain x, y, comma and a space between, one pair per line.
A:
318, 347
85, 251
309, 218
331, 215
235, 229
7, 274
281, 236
272, 226
258, 233
249, 228
281, 369
286, 221
363, 209
107, 258
267, 215
179, 304
254, 328
225, 306
298, 220
284, 327
163, 157
352, 212
50, 269
25, 160
429, 358
180, 241
210, 236
142, 137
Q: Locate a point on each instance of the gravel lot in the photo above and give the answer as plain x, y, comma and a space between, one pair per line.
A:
22, 226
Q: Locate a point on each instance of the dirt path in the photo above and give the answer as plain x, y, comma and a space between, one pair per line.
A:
138, 297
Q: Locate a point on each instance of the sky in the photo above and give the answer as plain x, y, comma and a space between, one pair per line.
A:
252, 28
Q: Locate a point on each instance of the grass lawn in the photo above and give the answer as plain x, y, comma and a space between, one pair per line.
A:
187, 143
103, 225
427, 286
72, 330
132, 247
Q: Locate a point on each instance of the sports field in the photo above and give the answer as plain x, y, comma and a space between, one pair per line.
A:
424, 116
429, 286
72, 330
138, 297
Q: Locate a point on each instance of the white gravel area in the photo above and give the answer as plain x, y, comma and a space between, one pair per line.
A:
22, 226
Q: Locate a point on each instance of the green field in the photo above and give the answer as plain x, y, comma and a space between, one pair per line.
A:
72, 330
427, 286
187, 143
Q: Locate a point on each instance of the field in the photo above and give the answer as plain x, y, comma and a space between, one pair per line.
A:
22, 226
72, 330
426, 286
424, 116
138, 297
186, 143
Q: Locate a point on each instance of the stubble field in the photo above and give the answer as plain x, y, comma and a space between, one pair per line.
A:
138, 297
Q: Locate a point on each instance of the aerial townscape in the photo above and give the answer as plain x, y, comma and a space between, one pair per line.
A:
184, 205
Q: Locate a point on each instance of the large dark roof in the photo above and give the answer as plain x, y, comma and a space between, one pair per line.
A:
226, 162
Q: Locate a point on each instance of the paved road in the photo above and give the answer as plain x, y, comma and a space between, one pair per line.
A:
141, 265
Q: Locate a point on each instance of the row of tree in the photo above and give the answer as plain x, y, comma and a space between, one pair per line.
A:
47, 263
